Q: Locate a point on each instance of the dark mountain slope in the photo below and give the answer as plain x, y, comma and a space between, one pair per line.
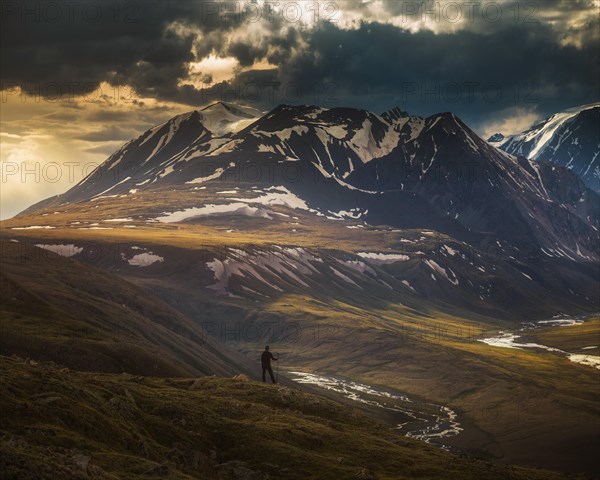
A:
570, 139
55, 308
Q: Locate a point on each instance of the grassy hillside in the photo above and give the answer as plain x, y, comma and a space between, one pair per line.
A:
64, 424
518, 406
497, 281
55, 308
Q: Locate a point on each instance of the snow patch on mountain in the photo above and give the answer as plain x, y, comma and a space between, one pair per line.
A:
442, 271
214, 209
365, 145
542, 134
270, 267
145, 259
383, 258
570, 138
277, 195
345, 278
357, 265
213, 176
226, 118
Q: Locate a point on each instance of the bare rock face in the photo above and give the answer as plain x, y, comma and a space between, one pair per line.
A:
570, 139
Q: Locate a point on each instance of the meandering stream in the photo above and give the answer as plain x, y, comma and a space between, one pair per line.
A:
427, 421
510, 340
424, 421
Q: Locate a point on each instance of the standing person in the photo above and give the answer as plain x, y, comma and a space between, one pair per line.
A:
265, 360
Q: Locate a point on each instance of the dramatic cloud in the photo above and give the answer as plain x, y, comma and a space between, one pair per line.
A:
469, 73
78, 78
184, 50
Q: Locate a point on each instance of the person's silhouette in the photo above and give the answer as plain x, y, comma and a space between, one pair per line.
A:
265, 360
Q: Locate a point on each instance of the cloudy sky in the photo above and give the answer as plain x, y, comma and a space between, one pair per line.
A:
79, 78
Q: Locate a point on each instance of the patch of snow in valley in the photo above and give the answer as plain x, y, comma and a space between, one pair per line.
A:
33, 227
367, 148
144, 259
64, 250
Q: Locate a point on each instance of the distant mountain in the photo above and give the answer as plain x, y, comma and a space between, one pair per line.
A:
570, 138
307, 173
439, 173
147, 159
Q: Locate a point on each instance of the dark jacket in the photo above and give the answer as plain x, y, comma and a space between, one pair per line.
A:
265, 359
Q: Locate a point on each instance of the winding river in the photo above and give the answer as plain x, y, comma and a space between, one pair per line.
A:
424, 421
427, 421
510, 340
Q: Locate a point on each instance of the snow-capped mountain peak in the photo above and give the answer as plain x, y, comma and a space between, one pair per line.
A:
436, 170
570, 138
223, 118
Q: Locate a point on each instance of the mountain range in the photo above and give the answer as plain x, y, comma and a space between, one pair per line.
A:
570, 138
392, 170
380, 247
298, 169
